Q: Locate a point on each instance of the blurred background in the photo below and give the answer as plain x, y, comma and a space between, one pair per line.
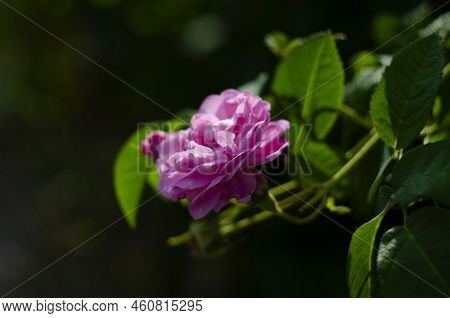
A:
63, 119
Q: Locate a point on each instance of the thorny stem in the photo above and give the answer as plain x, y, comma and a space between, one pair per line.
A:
288, 202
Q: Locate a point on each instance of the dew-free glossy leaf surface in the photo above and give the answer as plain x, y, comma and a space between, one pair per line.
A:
414, 259
360, 271
403, 100
423, 172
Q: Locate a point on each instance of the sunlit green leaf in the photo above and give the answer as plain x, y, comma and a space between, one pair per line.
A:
129, 177
360, 263
322, 157
132, 170
313, 75
153, 178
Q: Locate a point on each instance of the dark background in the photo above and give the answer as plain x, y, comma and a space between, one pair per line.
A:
63, 119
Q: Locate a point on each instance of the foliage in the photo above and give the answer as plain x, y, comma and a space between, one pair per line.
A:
405, 96
312, 73
418, 247
400, 192
129, 178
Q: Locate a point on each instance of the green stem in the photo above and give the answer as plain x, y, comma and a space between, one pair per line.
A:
325, 187
262, 216
244, 223
353, 150
180, 239
282, 188
319, 196
302, 220
230, 214
404, 214
294, 198
352, 162
352, 114
287, 187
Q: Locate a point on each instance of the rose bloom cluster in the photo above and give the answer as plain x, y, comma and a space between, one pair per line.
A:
214, 159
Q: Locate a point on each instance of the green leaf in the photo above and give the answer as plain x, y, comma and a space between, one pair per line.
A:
412, 81
132, 170
360, 262
322, 157
313, 74
256, 86
440, 26
153, 177
413, 259
379, 112
423, 172
280, 44
403, 100
129, 177
276, 41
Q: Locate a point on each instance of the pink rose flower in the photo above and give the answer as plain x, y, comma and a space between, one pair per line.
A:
214, 160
